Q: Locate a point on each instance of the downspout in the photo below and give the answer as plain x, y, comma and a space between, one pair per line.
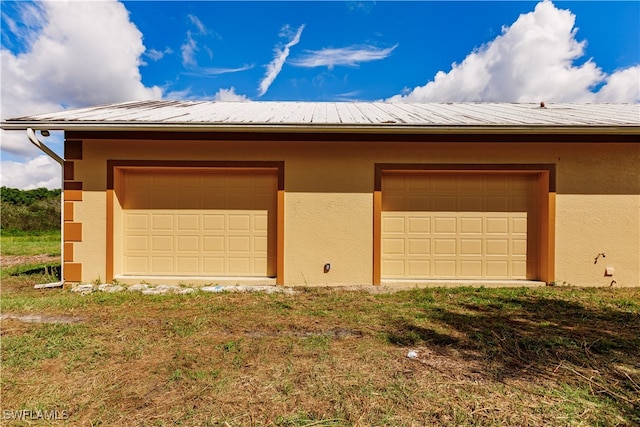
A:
49, 152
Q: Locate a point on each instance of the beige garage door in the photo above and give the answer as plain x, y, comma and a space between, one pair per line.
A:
458, 226
205, 223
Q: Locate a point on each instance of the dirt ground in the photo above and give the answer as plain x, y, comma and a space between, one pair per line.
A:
13, 260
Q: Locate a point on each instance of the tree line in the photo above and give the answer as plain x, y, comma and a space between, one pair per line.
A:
29, 210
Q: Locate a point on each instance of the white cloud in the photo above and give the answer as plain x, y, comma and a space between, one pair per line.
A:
38, 172
621, 86
86, 53
531, 61
217, 71
198, 23
74, 54
189, 49
349, 56
29, 20
275, 66
16, 145
229, 95
156, 55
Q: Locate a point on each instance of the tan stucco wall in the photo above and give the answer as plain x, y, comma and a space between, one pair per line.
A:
329, 200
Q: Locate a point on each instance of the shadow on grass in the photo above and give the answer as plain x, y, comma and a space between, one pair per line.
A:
530, 336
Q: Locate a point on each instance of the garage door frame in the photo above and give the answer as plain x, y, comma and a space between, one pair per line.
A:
545, 175
114, 177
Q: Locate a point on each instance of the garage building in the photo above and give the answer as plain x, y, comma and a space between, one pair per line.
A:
312, 194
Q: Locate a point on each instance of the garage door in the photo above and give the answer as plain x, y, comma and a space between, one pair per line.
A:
458, 226
199, 223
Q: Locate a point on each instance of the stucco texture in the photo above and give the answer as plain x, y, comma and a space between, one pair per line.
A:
329, 208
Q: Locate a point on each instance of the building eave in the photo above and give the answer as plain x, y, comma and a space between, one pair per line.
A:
317, 128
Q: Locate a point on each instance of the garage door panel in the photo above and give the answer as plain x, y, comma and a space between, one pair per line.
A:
260, 223
161, 222
136, 199
470, 204
166, 180
497, 204
135, 222
419, 225
497, 269
260, 245
394, 267
162, 265
475, 226
179, 232
445, 225
445, 269
519, 225
239, 265
470, 225
519, 247
467, 184
213, 265
162, 199
519, 204
260, 263
495, 184
239, 244
444, 247
240, 201
238, 222
519, 269
418, 268
418, 246
189, 199
213, 222
188, 222
497, 247
393, 224
188, 264
470, 268
188, 243
162, 244
393, 246
471, 247
213, 243
444, 203
496, 225
395, 203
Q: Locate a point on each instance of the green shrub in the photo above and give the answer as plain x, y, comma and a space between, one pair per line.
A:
29, 210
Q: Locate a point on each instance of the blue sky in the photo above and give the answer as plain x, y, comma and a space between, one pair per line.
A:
58, 55
414, 40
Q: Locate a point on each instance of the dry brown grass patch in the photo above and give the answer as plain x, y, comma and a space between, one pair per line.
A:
327, 357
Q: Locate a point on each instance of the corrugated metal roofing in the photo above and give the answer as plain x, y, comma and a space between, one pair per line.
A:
335, 116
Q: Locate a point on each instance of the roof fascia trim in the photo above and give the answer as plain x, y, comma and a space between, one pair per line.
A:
306, 128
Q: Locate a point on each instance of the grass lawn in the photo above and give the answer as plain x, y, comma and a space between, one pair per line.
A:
46, 243
550, 356
26, 254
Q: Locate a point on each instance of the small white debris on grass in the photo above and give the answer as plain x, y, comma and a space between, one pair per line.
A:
241, 288
412, 354
110, 288
84, 289
176, 289
167, 289
36, 318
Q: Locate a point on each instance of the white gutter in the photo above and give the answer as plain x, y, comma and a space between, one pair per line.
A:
48, 151
391, 128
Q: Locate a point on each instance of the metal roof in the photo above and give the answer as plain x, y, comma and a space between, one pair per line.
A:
340, 117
